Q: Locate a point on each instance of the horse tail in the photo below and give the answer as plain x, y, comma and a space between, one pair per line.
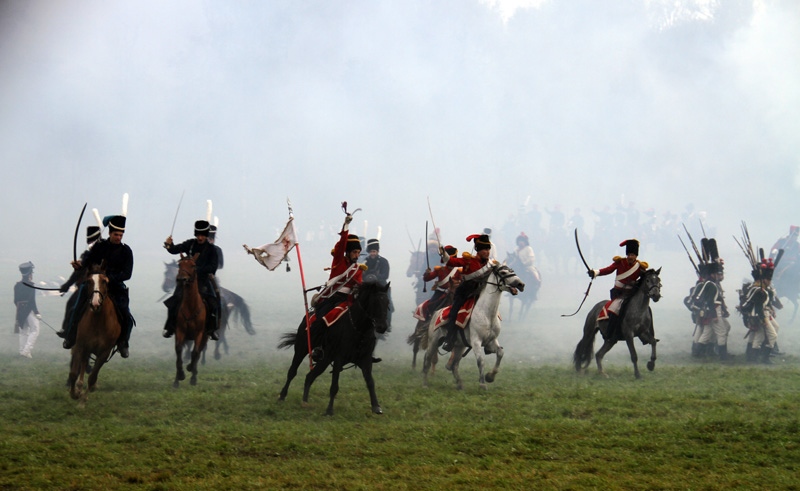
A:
287, 340
585, 348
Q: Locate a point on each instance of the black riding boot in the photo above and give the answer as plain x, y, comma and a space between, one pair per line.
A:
124, 337
450, 337
172, 314
211, 322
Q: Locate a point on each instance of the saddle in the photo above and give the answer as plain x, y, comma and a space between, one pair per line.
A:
334, 314
464, 314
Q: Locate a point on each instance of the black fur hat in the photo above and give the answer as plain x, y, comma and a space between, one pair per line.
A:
92, 233
631, 246
373, 245
201, 227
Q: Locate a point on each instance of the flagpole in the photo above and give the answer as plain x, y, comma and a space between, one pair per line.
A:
303, 283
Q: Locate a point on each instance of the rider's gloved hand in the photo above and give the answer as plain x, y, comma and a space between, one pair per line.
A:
592, 273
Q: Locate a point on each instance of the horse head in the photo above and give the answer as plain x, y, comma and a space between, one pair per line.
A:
507, 279
170, 271
374, 300
651, 284
187, 269
97, 283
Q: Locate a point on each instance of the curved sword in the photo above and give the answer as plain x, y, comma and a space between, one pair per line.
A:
587, 269
75, 237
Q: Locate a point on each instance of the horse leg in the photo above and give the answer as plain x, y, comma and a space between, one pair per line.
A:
312, 375
299, 355
498, 350
431, 356
366, 371
199, 347
415, 349
607, 345
634, 357
481, 360
74, 374
458, 353
651, 365
337, 369
179, 373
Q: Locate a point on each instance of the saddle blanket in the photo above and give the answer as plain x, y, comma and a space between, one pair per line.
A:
334, 314
610, 306
461, 319
422, 308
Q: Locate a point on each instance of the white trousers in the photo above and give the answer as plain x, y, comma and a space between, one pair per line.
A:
28, 334
769, 333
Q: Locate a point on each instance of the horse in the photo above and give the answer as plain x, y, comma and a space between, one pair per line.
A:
531, 279
482, 330
233, 307
637, 321
786, 281
351, 339
190, 323
97, 333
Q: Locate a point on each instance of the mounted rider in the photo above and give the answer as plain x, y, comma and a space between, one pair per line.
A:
447, 279
378, 272
527, 258
93, 235
346, 274
791, 249
706, 301
117, 258
473, 270
628, 270
206, 267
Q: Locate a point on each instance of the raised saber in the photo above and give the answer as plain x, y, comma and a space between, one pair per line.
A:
172, 230
585, 295
435, 229
75, 237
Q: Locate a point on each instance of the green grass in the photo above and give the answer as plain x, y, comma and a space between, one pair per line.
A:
692, 426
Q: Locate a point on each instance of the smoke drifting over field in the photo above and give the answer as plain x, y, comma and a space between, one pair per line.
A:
493, 109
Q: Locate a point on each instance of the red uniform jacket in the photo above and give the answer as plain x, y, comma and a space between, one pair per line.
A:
627, 274
344, 276
469, 264
442, 275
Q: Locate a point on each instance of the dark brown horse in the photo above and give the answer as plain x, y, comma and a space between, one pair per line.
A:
190, 324
97, 333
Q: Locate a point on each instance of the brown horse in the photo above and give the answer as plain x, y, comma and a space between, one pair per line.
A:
97, 333
191, 320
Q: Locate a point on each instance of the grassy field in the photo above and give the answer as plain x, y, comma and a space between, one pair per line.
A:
687, 425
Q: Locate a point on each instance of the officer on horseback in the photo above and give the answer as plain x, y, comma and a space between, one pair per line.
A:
628, 269
93, 236
207, 263
446, 279
117, 258
378, 272
345, 274
473, 269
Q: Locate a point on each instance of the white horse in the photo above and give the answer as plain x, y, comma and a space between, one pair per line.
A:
481, 331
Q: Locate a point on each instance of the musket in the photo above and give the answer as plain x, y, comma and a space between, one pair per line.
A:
435, 229
75, 237
690, 256
694, 246
578, 245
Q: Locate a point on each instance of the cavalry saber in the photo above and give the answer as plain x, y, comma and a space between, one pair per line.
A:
172, 230
428, 260
435, 229
75, 237
585, 295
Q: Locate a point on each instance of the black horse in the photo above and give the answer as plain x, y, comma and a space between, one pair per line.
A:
637, 321
351, 339
234, 308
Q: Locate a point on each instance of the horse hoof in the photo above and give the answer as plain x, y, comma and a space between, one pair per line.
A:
181, 376
651, 365
175, 384
489, 378
377, 410
193, 381
305, 404
484, 386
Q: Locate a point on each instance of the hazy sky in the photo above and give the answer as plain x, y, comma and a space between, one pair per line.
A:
475, 103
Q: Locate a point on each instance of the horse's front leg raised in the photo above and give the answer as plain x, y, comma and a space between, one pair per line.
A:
366, 371
634, 357
312, 375
498, 350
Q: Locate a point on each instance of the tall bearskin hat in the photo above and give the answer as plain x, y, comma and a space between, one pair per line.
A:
523, 238
631, 246
373, 245
767, 269
482, 241
353, 243
26, 268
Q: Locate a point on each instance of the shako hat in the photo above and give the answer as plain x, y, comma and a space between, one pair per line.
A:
201, 227
631, 246
373, 245
353, 243
26, 268
481, 241
92, 233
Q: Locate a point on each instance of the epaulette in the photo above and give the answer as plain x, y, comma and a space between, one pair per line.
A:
617, 258
437, 267
466, 255
644, 264
363, 266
